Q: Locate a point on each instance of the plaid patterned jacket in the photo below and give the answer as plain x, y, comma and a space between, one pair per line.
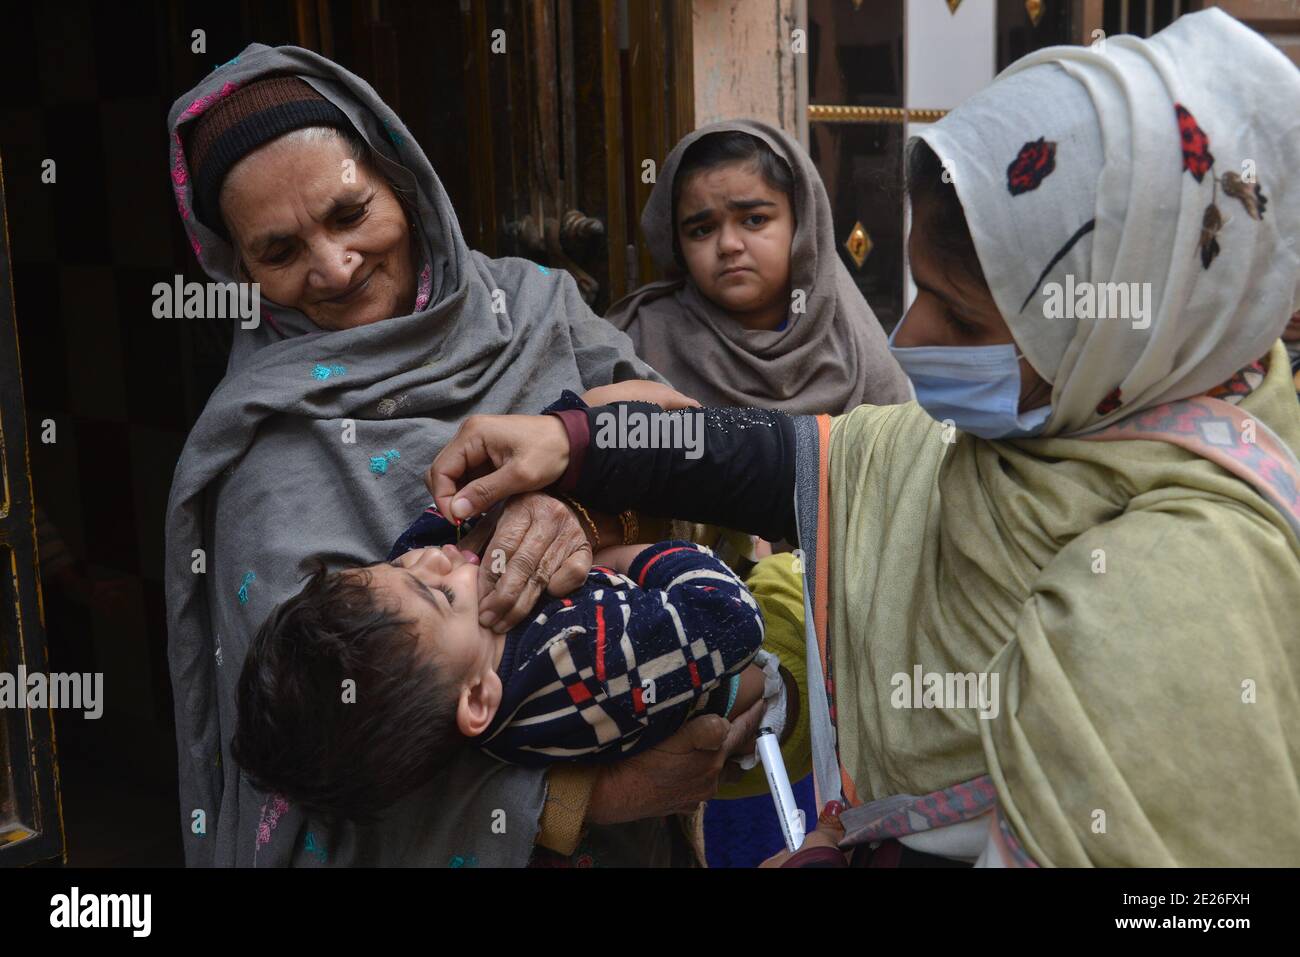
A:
621, 663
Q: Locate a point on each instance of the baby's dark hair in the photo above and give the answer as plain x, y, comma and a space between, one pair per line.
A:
721, 149
300, 734
946, 230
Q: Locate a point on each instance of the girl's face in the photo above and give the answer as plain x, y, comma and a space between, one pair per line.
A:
735, 232
951, 310
337, 251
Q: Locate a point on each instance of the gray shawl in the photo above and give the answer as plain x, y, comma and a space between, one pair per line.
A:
830, 358
267, 479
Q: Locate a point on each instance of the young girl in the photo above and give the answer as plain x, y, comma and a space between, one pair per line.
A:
758, 309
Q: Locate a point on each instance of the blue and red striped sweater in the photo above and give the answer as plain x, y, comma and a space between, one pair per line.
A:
622, 662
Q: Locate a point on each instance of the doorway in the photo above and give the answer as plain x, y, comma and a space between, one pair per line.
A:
539, 143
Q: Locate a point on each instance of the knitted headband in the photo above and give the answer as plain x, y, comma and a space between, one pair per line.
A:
250, 117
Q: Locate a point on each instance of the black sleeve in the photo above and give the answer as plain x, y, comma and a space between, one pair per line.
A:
729, 467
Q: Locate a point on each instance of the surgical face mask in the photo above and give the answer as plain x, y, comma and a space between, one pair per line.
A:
977, 388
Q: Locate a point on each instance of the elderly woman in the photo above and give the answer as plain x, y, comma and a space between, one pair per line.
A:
379, 331
1056, 616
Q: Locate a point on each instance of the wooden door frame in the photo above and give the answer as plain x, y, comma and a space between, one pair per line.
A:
643, 79
36, 835
660, 71
624, 72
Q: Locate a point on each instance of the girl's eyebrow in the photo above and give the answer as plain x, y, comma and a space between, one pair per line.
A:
731, 204
748, 203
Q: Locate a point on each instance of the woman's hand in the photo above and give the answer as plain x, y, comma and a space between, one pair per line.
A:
676, 775
640, 390
537, 542
504, 455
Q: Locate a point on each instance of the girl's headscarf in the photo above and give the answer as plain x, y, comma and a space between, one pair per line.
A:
1156, 165
829, 358
315, 444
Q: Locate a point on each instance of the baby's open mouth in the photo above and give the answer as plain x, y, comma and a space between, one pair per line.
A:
464, 554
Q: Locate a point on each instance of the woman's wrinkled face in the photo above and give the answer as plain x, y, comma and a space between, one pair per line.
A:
954, 310
337, 251
735, 231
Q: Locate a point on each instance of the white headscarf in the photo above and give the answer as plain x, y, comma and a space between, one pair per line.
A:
1110, 178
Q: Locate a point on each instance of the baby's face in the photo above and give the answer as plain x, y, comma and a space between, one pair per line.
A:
437, 588
735, 231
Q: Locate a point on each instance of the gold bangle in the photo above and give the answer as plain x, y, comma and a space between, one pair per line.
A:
595, 532
628, 520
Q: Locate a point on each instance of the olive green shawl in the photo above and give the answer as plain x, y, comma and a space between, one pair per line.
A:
1139, 606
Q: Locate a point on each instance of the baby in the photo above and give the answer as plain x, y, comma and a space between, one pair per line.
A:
356, 690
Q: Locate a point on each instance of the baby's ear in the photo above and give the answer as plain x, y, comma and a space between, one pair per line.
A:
480, 697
